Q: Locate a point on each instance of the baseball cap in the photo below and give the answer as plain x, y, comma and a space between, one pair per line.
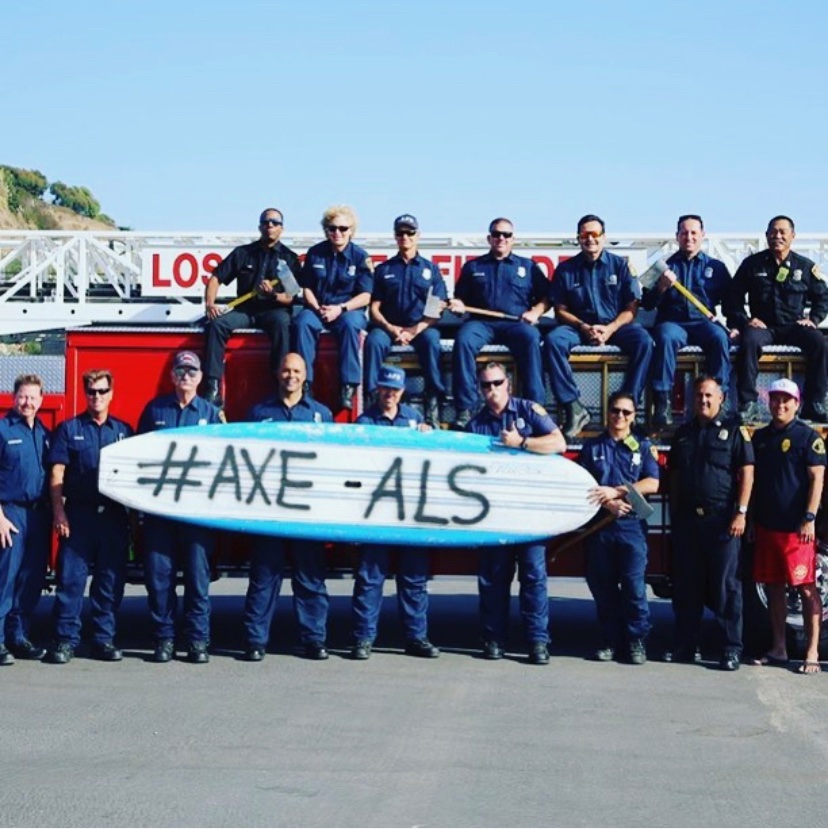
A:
187, 359
406, 220
391, 377
784, 386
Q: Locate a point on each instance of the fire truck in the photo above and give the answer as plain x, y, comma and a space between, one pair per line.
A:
127, 301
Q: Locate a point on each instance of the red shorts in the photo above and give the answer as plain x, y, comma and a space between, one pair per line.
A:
781, 558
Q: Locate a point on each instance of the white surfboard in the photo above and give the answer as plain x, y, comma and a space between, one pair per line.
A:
352, 483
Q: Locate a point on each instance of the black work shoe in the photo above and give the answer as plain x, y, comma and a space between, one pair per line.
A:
164, 651
60, 654
431, 410
212, 391
751, 413
422, 647
638, 652
539, 654
5, 657
662, 410
461, 420
197, 653
361, 650
346, 397
253, 653
575, 418
815, 412
730, 661
24, 649
492, 650
106, 652
683, 656
605, 654
316, 650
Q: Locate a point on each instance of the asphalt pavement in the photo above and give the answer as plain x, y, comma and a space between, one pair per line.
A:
400, 741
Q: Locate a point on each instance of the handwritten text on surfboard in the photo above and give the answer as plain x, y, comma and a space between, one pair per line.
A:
239, 476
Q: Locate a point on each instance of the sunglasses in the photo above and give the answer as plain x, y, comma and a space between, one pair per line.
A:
181, 373
98, 392
489, 384
617, 410
590, 234
501, 234
334, 228
405, 232
271, 223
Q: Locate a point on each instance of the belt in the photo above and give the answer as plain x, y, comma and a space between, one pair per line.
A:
38, 504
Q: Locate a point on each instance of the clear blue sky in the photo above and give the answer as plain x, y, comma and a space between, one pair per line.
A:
193, 116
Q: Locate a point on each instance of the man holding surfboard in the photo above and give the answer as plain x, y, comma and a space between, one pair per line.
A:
520, 424
375, 559
510, 293
265, 271
171, 545
269, 553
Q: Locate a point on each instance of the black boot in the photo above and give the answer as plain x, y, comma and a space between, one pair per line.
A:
212, 391
662, 410
575, 418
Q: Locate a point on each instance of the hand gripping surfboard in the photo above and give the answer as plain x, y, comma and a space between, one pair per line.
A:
352, 483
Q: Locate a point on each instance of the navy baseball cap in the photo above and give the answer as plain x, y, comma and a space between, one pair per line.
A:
406, 220
187, 359
391, 377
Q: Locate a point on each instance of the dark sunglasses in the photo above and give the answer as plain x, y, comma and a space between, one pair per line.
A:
617, 410
98, 392
501, 234
334, 228
271, 222
488, 384
181, 373
405, 232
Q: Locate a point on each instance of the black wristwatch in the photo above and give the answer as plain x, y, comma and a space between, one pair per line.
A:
809, 516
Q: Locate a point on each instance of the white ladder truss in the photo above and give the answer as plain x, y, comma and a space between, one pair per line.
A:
61, 279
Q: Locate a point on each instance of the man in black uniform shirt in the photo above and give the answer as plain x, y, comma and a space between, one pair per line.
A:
780, 284
253, 267
711, 477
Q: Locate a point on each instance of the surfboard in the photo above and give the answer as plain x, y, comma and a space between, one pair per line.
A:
351, 483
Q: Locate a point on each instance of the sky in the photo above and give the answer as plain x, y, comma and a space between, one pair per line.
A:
195, 116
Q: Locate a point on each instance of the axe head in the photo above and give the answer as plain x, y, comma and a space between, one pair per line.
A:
649, 278
641, 508
433, 306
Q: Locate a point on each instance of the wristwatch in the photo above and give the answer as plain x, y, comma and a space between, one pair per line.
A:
741, 509
343, 308
809, 516
524, 444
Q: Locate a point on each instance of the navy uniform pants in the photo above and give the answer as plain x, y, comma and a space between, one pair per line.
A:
426, 345
706, 572
347, 329
669, 337
615, 567
412, 595
310, 596
170, 546
23, 569
274, 321
632, 339
496, 569
98, 537
522, 339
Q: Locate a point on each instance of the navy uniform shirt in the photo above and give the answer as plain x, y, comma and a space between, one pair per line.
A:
777, 294
780, 488
77, 445
402, 287
530, 420
705, 459
615, 462
164, 412
595, 292
336, 277
274, 410
706, 278
407, 417
512, 285
23, 454
252, 264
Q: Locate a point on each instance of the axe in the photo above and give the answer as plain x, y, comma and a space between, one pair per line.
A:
649, 278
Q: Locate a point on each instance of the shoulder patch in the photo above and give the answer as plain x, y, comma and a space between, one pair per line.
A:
817, 273
222, 416
633, 271
818, 446
539, 410
745, 433
654, 452
369, 263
